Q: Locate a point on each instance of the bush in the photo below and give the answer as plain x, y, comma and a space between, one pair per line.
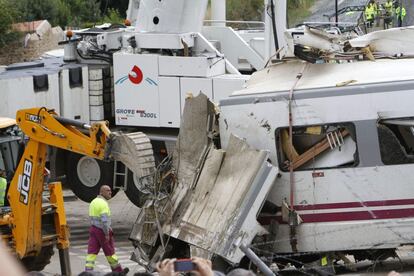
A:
244, 10
84, 11
59, 12
8, 15
64, 14
113, 17
38, 10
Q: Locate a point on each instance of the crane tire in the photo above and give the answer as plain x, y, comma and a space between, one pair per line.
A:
137, 197
85, 176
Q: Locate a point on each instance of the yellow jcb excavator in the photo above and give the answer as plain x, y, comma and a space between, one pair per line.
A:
31, 225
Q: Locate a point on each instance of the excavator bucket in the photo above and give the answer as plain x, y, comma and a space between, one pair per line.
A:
134, 150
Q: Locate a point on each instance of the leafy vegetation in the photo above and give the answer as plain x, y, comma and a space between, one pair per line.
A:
244, 10
59, 12
113, 16
253, 10
8, 14
298, 10
72, 13
84, 13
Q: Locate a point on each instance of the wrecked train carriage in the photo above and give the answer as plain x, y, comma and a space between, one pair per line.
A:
341, 166
351, 151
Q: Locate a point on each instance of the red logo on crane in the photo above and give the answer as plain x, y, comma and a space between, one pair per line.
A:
136, 75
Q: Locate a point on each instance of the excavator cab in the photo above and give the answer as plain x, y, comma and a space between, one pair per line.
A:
11, 149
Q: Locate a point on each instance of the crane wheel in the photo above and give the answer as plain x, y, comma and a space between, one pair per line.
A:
38, 263
137, 197
85, 176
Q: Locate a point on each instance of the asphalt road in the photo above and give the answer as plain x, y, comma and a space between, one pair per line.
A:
123, 216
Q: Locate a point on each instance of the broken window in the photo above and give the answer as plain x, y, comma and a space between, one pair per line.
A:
317, 147
396, 138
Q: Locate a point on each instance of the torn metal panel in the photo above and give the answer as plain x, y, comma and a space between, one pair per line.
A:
199, 252
189, 154
192, 144
321, 40
218, 195
226, 199
393, 41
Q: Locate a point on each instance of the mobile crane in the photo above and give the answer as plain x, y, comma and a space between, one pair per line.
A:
32, 226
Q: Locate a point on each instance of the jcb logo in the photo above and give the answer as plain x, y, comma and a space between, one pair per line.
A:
32, 118
24, 182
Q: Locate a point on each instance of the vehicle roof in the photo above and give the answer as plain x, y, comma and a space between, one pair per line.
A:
281, 77
46, 65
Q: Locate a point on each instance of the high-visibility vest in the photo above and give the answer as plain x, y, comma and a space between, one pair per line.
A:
99, 213
3, 186
369, 12
400, 12
388, 7
375, 8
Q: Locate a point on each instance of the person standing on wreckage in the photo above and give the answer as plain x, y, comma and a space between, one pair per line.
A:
100, 232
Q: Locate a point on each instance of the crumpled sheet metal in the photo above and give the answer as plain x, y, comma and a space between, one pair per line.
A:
189, 153
393, 41
229, 193
219, 193
192, 143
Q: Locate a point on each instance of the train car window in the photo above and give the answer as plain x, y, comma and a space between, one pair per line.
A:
396, 138
317, 147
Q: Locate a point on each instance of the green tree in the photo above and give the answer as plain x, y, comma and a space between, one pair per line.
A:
84, 11
60, 12
244, 10
38, 10
64, 14
298, 11
119, 5
8, 15
113, 16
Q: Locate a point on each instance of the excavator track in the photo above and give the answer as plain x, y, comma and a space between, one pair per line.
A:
135, 151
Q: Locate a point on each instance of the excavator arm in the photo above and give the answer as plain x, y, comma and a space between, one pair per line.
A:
45, 128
